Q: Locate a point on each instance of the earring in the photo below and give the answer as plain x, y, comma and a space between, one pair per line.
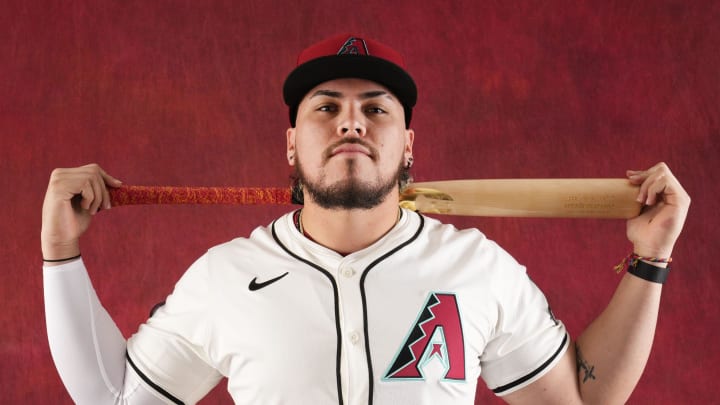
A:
409, 162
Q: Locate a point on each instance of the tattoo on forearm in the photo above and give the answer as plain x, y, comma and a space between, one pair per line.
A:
583, 366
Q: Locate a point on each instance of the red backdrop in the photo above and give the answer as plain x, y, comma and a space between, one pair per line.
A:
189, 93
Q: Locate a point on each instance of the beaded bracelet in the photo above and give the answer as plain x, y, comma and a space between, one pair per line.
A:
637, 265
61, 260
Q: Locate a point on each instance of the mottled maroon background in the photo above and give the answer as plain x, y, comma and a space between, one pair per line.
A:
189, 93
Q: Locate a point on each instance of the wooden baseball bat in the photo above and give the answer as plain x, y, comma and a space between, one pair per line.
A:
539, 198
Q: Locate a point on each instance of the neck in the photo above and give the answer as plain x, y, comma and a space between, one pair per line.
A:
350, 230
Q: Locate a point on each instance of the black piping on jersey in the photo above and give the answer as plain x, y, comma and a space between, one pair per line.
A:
364, 301
149, 382
337, 309
542, 367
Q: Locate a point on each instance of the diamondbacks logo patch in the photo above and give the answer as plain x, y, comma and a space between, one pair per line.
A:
354, 46
436, 336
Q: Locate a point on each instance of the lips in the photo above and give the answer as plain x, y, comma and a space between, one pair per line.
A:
350, 148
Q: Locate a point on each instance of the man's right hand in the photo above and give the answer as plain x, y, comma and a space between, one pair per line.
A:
72, 198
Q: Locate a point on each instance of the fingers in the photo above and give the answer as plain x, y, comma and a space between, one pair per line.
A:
102, 191
656, 230
656, 184
97, 194
87, 192
89, 182
112, 182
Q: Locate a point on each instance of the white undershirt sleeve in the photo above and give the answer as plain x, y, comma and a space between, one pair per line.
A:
86, 345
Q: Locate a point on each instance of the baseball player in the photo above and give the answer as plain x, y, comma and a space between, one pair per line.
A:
350, 300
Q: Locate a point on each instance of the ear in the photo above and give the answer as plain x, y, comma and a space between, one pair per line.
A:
290, 134
409, 139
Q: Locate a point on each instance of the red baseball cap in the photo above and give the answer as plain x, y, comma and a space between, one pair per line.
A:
349, 56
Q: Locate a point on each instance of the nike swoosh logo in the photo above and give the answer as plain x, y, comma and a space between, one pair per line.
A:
254, 285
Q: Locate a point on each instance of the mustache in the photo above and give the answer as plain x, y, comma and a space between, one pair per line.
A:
328, 153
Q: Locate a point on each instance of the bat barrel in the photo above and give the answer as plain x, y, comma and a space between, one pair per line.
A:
539, 198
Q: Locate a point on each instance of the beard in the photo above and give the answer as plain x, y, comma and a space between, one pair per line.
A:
350, 193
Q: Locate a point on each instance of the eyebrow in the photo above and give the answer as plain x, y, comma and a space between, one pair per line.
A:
364, 96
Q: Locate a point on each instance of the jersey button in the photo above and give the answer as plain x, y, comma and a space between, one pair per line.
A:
348, 272
354, 338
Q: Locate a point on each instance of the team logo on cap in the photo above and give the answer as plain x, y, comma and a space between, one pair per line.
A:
354, 46
436, 336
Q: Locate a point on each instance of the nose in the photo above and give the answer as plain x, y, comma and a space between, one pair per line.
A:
351, 124
355, 131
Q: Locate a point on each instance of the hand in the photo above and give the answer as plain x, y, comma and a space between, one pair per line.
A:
655, 231
72, 198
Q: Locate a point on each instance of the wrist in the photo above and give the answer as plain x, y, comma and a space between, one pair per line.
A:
647, 251
54, 255
656, 263
56, 262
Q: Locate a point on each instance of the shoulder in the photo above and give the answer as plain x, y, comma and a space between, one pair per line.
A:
471, 241
230, 262
437, 228
261, 237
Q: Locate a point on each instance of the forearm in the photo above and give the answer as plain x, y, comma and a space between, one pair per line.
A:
613, 351
86, 345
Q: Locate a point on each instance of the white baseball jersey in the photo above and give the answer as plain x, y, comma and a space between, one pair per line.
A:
415, 318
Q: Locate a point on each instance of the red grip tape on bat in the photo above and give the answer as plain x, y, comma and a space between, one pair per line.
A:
135, 195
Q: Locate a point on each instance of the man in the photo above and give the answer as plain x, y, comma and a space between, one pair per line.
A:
348, 300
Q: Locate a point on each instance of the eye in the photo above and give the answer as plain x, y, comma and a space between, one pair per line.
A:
327, 108
375, 110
